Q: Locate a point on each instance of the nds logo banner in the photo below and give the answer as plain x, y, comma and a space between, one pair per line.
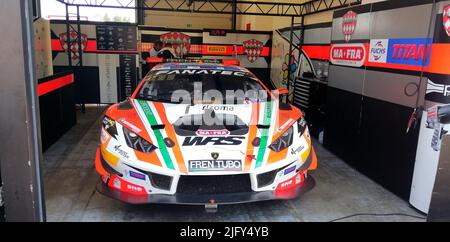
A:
348, 54
414, 52
378, 50
438, 88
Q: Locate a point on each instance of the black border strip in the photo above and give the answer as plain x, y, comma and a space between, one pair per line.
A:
382, 6
388, 5
317, 44
360, 9
84, 22
383, 69
55, 76
322, 60
353, 41
310, 26
153, 28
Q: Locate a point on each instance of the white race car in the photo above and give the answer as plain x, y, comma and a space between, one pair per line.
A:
195, 133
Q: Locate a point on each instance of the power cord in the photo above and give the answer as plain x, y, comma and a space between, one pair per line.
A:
377, 215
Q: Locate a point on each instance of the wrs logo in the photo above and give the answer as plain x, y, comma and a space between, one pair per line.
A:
378, 50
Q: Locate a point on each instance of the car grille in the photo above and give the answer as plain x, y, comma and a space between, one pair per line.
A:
214, 184
157, 180
160, 181
265, 179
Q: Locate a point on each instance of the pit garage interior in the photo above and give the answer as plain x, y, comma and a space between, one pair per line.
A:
371, 77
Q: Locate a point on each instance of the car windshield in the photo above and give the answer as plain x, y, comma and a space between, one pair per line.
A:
202, 86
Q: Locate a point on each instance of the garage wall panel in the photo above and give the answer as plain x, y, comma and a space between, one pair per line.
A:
407, 22
342, 129
362, 28
380, 147
317, 36
346, 78
396, 88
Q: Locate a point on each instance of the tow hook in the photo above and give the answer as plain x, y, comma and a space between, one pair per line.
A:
211, 207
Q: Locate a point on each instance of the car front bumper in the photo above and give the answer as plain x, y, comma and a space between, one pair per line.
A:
202, 199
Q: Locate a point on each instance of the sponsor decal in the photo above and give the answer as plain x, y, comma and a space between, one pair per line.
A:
130, 125
218, 108
286, 124
201, 72
349, 21
214, 165
121, 152
134, 188
296, 151
253, 49
222, 132
202, 141
378, 50
289, 170
414, 52
137, 175
217, 49
446, 19
438, 92
348, 54
104, 136
286, 184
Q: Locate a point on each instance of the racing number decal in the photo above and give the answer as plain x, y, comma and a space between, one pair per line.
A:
161, 144
264, 135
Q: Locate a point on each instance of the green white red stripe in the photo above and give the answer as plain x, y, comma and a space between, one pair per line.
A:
267, 120
149, 114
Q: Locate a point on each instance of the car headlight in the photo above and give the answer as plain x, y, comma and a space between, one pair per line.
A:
138, 143
302, 125
110, 126
284, 141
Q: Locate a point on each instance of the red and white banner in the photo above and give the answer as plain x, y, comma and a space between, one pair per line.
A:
348, 54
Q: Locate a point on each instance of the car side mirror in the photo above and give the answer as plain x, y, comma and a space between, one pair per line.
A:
282, 93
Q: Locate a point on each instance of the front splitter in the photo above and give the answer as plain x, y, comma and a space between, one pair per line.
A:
202, 199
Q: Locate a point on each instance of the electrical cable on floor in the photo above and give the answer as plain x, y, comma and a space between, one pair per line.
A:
379, 215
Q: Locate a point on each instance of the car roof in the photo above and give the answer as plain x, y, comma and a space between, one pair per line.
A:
174, 66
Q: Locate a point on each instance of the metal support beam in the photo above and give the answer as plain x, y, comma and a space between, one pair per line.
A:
234, 16
291, 40
20, 153
140, 13
222, 6
69, 53
37, 8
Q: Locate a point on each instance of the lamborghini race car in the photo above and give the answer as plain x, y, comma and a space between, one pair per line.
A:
196, 133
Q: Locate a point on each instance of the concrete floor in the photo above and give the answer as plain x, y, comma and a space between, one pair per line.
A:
70, 180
